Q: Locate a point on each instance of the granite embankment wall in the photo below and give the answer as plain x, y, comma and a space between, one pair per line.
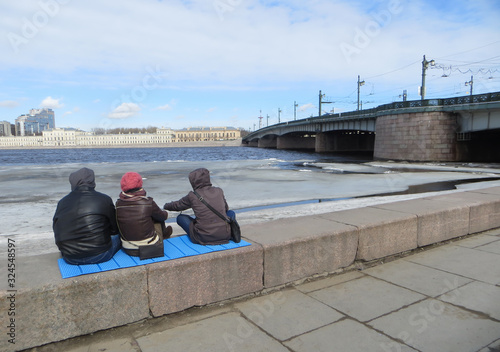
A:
48, 308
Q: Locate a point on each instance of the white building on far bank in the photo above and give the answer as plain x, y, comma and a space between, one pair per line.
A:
68, 137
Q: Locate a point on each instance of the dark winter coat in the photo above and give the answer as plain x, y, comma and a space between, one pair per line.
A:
84, 219
136, 215
209, 228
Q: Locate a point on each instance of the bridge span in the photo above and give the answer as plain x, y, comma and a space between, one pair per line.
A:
463, 128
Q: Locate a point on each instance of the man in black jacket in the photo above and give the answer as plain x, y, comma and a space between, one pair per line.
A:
84, 224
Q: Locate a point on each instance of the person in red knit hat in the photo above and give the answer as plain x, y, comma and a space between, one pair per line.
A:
140, 220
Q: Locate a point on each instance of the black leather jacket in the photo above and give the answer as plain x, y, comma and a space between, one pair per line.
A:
84, 222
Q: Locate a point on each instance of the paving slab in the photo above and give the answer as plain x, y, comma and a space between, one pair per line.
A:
227, 332
300, 247
366, 298
288, 313
468, 262
428, 281
479, 240
494, 347
381, 232
329, 281
346, 335
437, 220
492, 247
432, 325
476, 296
118, 345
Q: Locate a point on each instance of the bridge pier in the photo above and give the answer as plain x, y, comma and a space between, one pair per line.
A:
422, 136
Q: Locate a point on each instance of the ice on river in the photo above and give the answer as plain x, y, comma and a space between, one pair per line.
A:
30, 194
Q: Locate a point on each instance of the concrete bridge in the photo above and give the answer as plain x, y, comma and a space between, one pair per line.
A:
454, 129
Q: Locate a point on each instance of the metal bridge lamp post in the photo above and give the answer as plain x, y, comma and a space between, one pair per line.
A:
470, 83
295, 105
321, 96
360, 83
425, 65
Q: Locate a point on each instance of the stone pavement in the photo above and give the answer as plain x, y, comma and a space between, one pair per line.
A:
445, 298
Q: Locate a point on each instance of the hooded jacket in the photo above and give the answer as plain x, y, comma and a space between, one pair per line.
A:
84, 219
207, 227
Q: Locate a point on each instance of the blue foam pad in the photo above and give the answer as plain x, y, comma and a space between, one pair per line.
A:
174, 248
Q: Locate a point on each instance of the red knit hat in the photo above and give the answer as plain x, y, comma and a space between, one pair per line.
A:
131, 180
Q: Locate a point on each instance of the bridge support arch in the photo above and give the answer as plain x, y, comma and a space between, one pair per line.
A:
269, 141
296, 142
345, 141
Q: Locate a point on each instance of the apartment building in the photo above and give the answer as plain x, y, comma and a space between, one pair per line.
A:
5, 129
37, 121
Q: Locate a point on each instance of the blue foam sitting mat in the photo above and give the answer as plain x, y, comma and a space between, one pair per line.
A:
174, 248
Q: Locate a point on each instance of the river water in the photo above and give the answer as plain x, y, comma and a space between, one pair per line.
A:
259, 184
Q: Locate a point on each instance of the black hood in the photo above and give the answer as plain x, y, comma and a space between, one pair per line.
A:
82, 177
199, 178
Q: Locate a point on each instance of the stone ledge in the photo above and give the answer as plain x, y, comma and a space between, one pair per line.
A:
300, 247
484, 208
175, 285
50, 309
381, 232
437, 220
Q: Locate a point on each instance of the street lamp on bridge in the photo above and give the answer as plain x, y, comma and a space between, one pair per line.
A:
360, 83
470, 83
425, 65
321, 96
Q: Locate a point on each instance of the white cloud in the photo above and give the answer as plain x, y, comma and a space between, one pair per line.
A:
211, 109
76, 109
165, 107
306, 107
124, 111
8, 104
51, 103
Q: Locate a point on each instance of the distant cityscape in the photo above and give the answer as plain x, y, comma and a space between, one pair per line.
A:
38, 129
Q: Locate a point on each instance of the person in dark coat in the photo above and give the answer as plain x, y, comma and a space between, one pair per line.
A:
140, 219
206, 228
84, 223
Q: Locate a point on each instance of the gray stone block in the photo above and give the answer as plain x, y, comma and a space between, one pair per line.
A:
381, 232
484, 208
437, 220
300, 247
179, 284
49, 308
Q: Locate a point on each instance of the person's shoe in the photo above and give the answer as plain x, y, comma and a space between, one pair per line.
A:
167, 233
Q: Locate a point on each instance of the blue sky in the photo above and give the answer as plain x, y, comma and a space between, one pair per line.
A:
222, 62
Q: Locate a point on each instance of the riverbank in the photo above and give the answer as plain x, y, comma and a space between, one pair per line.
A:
284, 251
225, 143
